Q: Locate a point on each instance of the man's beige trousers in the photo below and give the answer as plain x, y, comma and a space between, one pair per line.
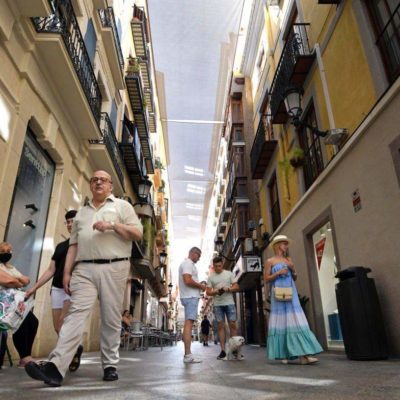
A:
89, 282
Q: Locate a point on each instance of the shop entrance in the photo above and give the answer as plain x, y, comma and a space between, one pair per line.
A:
325, 261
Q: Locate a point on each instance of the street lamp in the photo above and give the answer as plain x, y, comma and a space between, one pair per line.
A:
219, 244
163, 258
144, 188
292, 99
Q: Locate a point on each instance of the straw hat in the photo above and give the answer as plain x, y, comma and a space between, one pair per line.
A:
278, 239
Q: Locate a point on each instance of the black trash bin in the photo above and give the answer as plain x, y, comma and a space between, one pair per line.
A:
360, 315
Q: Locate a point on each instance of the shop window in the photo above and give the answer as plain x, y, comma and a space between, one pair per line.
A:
385, 17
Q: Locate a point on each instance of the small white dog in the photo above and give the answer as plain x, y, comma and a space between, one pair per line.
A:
234, 348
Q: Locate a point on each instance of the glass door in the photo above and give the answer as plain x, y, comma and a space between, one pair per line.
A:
325, 260
28, 214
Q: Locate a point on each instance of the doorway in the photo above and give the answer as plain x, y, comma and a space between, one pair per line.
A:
325, 262
29, 209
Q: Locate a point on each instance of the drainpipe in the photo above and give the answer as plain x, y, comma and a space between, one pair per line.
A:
325, 90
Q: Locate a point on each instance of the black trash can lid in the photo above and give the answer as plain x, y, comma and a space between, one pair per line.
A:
352, 272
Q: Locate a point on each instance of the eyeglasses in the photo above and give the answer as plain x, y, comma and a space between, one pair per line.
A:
99, 179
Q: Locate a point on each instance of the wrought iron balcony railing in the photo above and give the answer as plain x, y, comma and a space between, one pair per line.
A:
111, 144
64, 22
107, 19
263, 148
139, 31
293, 67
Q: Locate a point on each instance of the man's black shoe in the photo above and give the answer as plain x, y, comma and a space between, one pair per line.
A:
110, 374
46, 372
222, 356
76, 361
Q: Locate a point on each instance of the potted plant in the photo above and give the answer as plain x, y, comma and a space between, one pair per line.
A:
296, 157
133, 66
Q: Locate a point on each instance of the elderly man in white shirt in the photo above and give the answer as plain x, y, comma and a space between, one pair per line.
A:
97, 266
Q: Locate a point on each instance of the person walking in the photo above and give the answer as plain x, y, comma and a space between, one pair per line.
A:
189, 288
60, 301
100, 246
205, 330
24, 336
221, 285
289, 335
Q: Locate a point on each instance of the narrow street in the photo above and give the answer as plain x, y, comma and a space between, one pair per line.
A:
156, 374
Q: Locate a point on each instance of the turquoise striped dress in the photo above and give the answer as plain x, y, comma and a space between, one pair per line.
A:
289, 335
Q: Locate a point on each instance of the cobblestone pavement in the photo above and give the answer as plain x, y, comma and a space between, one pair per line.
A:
161, 374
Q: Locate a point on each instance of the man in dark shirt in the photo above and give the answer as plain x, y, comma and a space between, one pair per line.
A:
59, 299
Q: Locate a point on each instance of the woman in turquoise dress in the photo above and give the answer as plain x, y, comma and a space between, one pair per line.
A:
289, 336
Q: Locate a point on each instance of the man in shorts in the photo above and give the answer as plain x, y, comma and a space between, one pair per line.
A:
189, 289
220, 284
60, 301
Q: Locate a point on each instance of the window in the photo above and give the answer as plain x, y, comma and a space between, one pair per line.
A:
113, 115
311, 145
90, 40
274, 203
385, 16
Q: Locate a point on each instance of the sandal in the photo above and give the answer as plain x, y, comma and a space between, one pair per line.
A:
76, 361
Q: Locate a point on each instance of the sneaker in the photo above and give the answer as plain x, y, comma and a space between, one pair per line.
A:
222, 355
191, 359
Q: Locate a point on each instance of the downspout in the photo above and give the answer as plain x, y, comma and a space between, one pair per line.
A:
325, 91
324, 86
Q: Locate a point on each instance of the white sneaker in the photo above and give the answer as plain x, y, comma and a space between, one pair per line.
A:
190, 359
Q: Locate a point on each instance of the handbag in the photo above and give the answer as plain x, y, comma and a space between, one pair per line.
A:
13, 308
283, 293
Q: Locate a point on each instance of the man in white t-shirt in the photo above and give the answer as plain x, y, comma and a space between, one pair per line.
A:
189, 289
220, 284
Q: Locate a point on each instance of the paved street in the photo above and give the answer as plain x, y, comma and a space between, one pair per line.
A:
161, 374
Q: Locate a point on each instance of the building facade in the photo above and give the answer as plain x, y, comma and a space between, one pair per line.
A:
69, 106
326, 193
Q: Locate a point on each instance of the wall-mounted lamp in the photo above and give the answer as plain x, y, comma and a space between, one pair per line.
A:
30, 224
163, 258
170, 286
32, 207
292, 99
144, 188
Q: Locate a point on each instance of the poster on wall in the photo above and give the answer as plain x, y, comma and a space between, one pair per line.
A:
319, 251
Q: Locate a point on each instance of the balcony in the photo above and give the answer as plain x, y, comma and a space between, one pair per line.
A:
139, 31
131, 151
133, 80
293, 68
264, 146
236, 136
112, 45
144, 66
240, 225
111, 159
135, 92
63, 54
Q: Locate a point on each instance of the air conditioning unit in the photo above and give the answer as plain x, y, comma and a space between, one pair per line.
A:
335, 136
248, 246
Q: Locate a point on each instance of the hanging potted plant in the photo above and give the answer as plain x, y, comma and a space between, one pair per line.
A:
133, 66
296, 157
